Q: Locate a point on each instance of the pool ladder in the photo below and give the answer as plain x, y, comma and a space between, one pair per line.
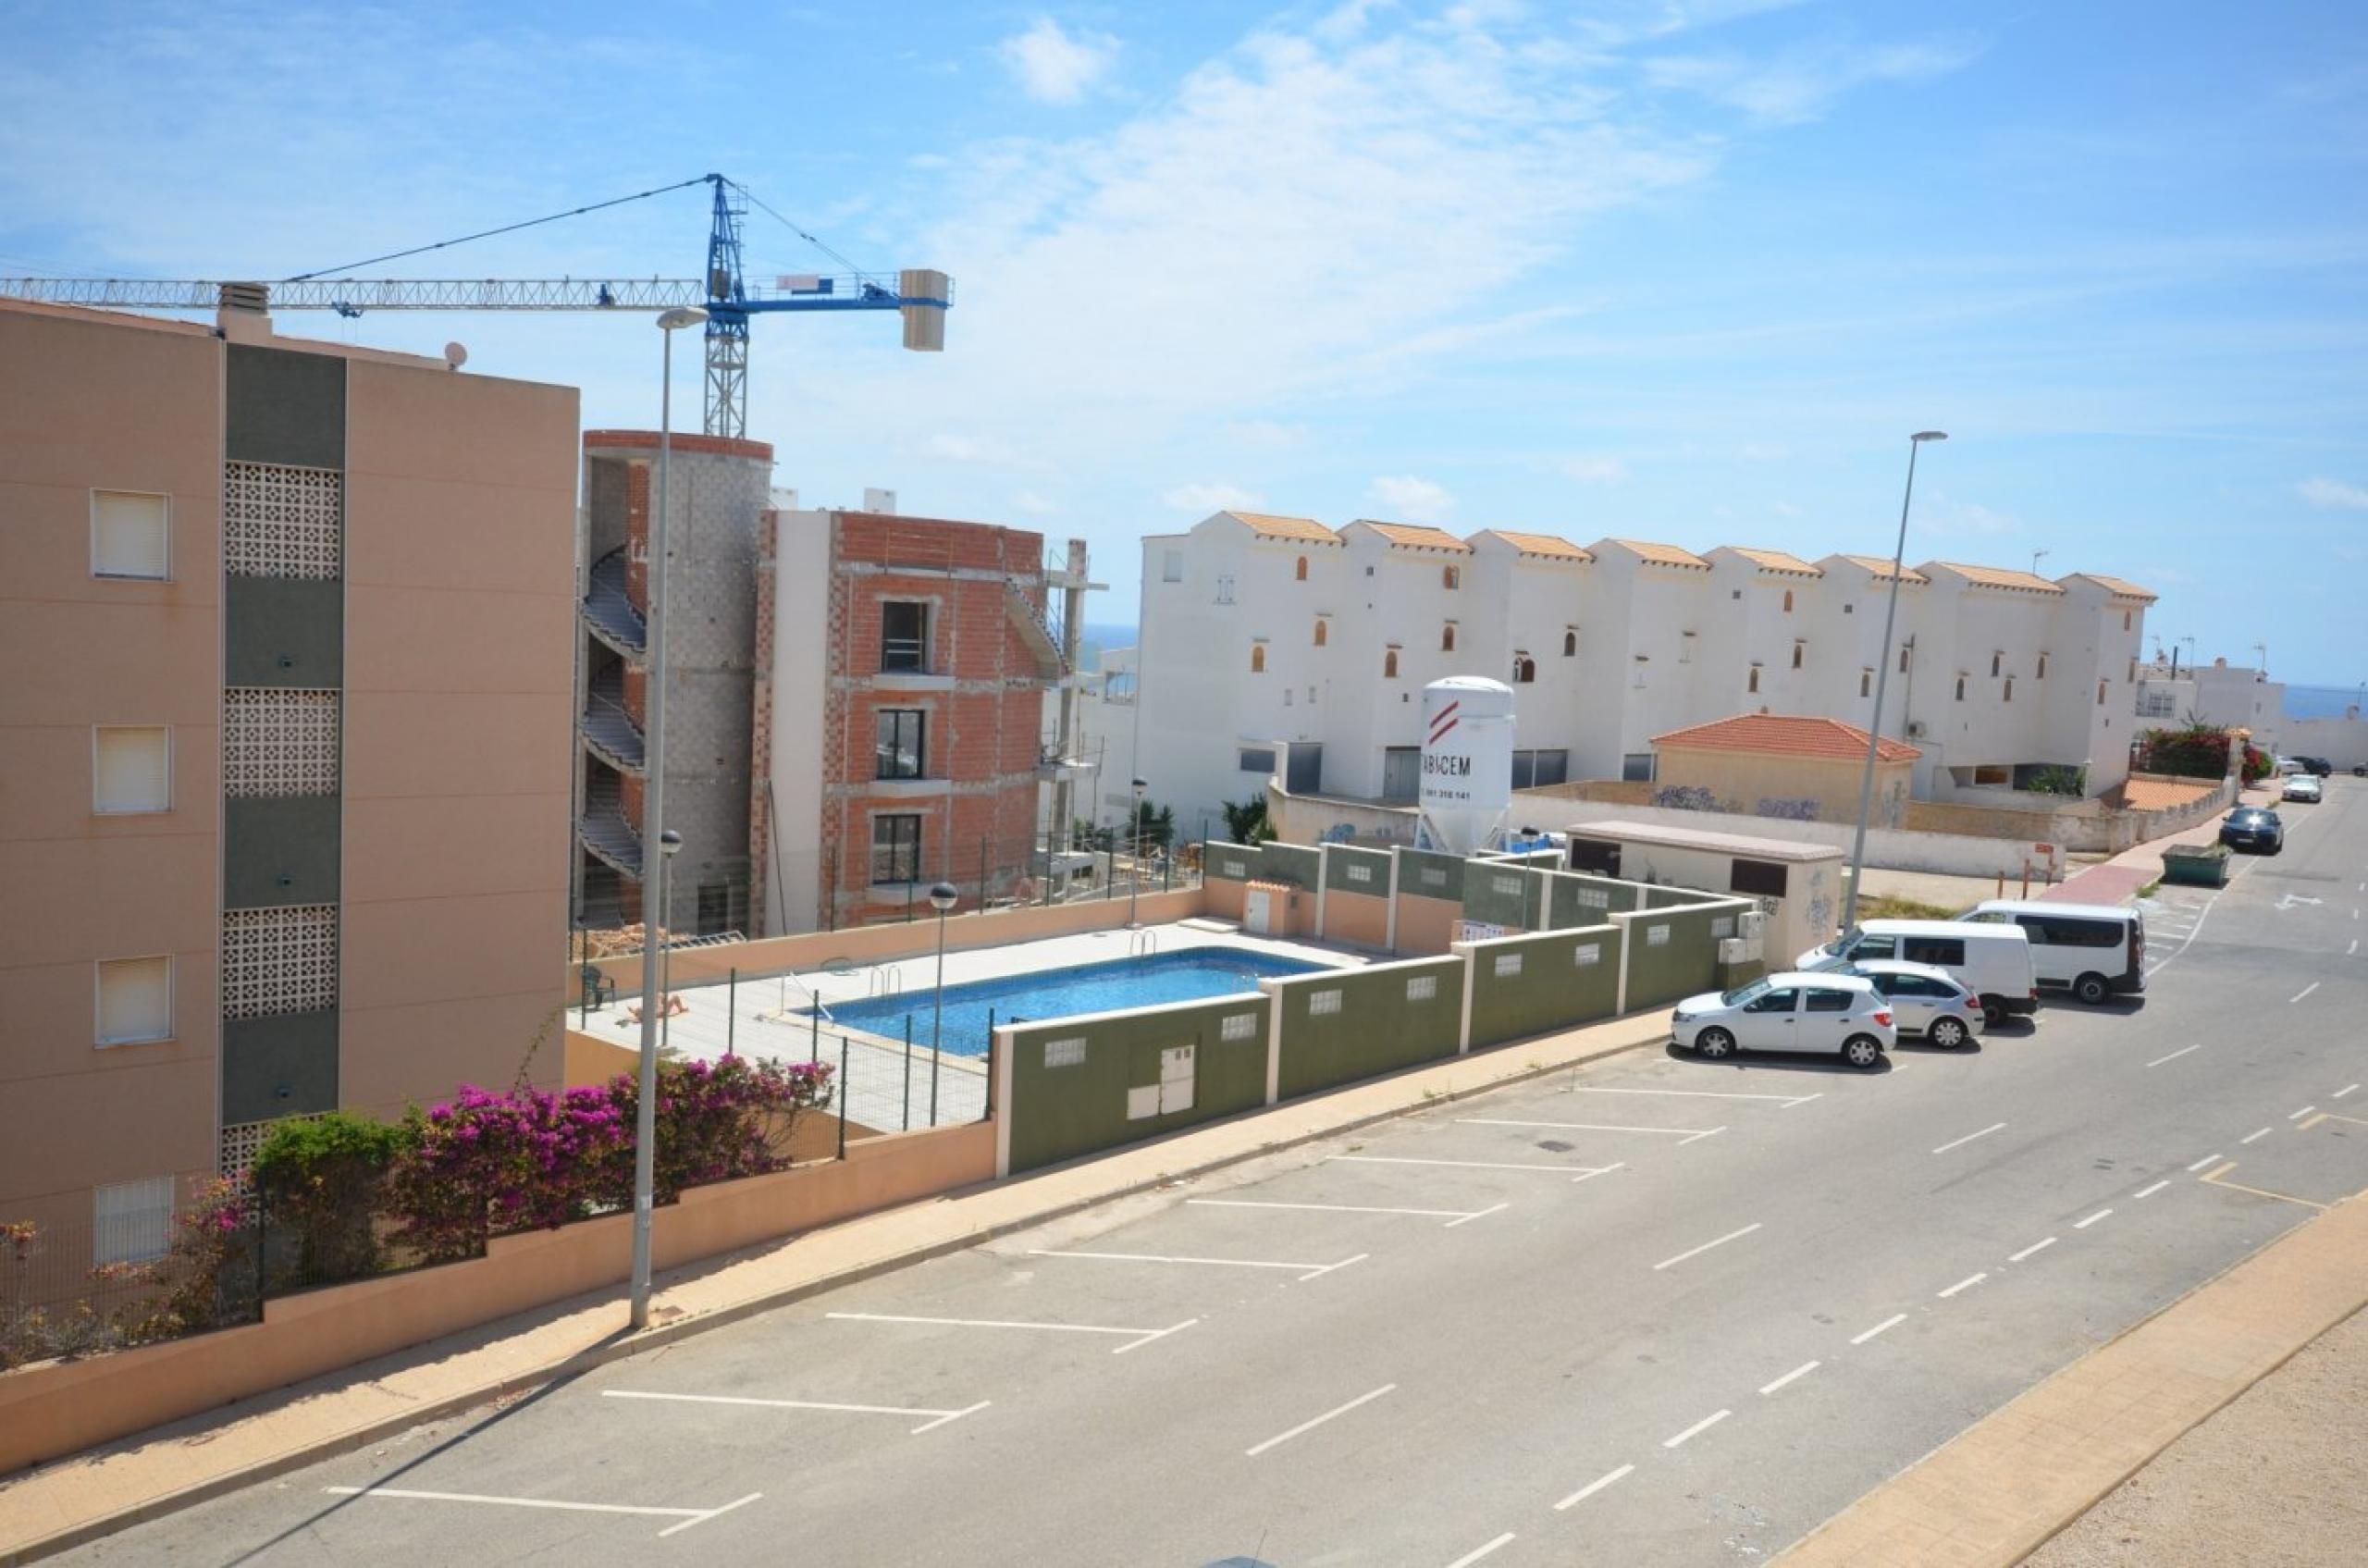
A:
1142, 943
886, 980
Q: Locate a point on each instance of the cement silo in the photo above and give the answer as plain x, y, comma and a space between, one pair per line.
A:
1467, 782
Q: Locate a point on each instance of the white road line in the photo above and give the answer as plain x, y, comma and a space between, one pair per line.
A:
2084, 1223
1309, 1270
2262, 1132
2298, 1116
1706, 1246
1469, 1558
2202, 1163
1696, 1094
2353, 949
1801, 1371
2347, 1089
1139, 1337
942, 1416
1477, 1214
2034, 1247
1891, 1322
2304, 991
1596, 1486
1471, 1165
1304, 1427
1329, 1208
2174, 1055
2150, 1192
1699, 1427
1606, 1170
1960, 1143
1686, 1132
1967, 1283
689, 1516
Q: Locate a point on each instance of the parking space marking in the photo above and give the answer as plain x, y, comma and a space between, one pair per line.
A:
1967, 1283
1281, 1437
2304, 991
2174, 1055
1688, 1133
2150, 1192
1960, 1143
2202, 1163
939, 1417
1469, 1558
1308, 1270
1596, 1486
688, 1516
2218, 1179
1584, 1170
1477, 1214
1457, 1216
2347, 1089
1698, 1252
1138, 1337
2084, 1223
1893, 1321
1801, 1371
1695, 1093
2250, 1137
2034, 1247
1697, 1429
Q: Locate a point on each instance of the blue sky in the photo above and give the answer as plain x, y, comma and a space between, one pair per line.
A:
1684, 271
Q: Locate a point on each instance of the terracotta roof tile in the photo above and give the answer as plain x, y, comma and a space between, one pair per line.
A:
1881, 568
1272, 527
1541, 544
1786, 734
2001, 577
1408, 536
2120, 587
1777, 560
1663, 555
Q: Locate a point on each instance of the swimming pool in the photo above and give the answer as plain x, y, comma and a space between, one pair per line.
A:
1185, 976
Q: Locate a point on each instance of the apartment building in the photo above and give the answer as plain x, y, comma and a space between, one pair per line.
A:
286, 751
2233, 695
1275, 645
904, 666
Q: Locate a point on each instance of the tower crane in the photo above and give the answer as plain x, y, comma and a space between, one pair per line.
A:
920, 295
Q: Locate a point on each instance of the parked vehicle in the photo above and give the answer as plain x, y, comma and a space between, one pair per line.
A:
1841, 1013
1926, 1000
2095, 951
2303, 787
1995, 965
2318, 767
2285, 767
2256, 828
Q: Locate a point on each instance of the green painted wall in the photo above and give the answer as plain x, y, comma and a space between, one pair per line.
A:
280, 1066
1229, 862
1577, 900
1378, 1029
1426, 874
1551, 990
1686, 963
1295, 864
1484, 900
279, 850
1374, 863
1677, 897
1061, 1113
283, 405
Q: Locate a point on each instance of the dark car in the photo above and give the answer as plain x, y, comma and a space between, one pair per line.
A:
2254, 828
2318, 767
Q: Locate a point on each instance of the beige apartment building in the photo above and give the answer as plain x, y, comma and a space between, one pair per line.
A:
285, 753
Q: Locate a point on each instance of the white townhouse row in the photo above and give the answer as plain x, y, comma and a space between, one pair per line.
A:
1278, 645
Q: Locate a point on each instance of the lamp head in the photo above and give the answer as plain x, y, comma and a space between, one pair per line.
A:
943, 897
669, 842
680, 315
1141, 785
1929, 436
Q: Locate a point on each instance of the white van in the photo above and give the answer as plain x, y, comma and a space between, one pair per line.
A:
2093, 950
1991, 960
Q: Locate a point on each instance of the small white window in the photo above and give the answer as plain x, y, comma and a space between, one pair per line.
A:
1432, 876
1239, 1026
131, 1221
1506, 887
1508, 964
1587, 954
1236, 868
1065, 1052
135, 1001
1360, 873
1171, 566
1422, 988
131, 535
131, 769
1594, 898
1319, 1003
1657, 936
1723, 925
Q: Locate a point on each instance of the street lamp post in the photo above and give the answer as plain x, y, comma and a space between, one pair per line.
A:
941, 898
1882, 674
653, 815
1135, 856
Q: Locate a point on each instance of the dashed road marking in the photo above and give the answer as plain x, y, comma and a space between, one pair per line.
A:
2084, 1223
1967, 1283
2202, 1163
1960, 1143
1697, 1429
2304, 991
2250, 1137
2298, 1116
2174, 1055
2347, 1089
1596, 1486
2150, 1192
1306, 1427
1698, 1252
1469, 1558
1801, 1371
1891, 1322
2034, 1247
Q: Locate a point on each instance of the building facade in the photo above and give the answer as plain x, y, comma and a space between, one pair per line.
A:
288, 749
1278, 646
2232, 697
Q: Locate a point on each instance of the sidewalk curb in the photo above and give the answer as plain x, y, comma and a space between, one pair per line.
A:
620, 1346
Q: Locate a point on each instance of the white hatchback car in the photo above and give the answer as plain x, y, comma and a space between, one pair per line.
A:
2303, 787
1840, 1014
1925, 1000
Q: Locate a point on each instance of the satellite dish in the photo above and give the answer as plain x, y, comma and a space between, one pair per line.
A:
456, 355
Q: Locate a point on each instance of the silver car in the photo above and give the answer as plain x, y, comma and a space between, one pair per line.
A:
1925, 1000
1841, 1013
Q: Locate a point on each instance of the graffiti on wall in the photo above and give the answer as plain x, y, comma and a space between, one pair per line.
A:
1802, 809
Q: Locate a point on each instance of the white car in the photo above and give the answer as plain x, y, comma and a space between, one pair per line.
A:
1926, 1000
2303, 787
1839, 1014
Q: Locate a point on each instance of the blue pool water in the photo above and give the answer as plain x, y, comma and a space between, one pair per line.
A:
1187, 975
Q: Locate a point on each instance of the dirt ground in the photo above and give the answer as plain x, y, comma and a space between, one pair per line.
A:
2278, 1479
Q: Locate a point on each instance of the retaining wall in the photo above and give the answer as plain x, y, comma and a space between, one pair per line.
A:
1527, 985
1066, 1086
1375, 1026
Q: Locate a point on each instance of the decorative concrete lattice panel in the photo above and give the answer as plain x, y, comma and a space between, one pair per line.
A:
242, 1143
280, 520
278, 742
279, 960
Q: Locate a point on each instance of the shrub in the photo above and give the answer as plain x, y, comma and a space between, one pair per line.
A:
321, 1179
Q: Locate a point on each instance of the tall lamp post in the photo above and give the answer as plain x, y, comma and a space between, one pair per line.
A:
653, 815
1135, 853
1882, 675
941, 898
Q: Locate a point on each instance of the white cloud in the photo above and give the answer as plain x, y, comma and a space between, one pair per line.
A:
1267, 435
2333, 492
1416, 501
1032, 503
1203, 499
984, 449
1595, 468
1055, 66
1798, 83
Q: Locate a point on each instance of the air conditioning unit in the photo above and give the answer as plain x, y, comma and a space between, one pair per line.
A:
1916, 729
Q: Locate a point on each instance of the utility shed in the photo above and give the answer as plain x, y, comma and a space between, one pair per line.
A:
1799, 884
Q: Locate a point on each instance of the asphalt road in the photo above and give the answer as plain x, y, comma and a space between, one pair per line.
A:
1655, 1313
